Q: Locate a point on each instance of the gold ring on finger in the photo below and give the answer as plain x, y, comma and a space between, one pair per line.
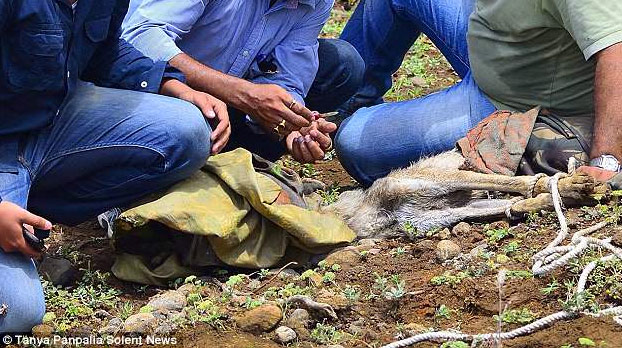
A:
291, 105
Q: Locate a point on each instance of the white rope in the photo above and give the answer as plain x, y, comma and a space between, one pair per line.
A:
548, 259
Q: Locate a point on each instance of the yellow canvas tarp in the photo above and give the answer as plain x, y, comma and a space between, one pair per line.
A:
233, 207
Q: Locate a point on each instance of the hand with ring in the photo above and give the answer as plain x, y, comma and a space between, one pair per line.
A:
280, 129
270, 105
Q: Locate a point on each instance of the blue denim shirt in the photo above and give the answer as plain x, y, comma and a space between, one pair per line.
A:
45, 48
243, 38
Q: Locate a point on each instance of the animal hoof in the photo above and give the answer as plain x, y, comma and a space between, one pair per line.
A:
581, 182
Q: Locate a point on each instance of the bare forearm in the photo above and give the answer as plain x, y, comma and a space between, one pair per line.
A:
608, 103
203, 78
174, 88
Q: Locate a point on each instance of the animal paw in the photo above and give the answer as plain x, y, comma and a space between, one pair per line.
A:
578, 186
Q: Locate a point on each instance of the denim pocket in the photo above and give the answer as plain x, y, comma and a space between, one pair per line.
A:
37, 60
8, 154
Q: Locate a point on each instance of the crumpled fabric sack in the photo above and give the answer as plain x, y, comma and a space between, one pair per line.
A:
238, 210
496, 145
537, 141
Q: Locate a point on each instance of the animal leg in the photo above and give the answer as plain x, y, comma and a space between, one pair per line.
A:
543, 201
431, 182
434, 183
476, 209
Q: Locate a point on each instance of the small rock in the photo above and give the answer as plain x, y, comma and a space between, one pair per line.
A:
617, 238
337, 301
102, 314
299, 318
141, 323
186, 289
357, 328
80, 331
260, 319
446, 250
572, 218
423, 246
284, 335
444, 234
368, 242
113, 327
499, 225
176, 317
461, 229
42, 330
316, 279
170, 301
165, 328
374, 251
287, 273
419, 81
475, 237
57, 270
414, 328
345, 257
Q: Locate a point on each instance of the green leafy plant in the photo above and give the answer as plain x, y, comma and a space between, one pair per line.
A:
584, 341
326, 334
351, 294
397, 252
497, 235
397, 291
449, 279
511, 248
263, 273
328, 277
551, 287
329, 195
442, 312
516, 316
455, 344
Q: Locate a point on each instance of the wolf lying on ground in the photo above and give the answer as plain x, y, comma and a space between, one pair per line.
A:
434, 192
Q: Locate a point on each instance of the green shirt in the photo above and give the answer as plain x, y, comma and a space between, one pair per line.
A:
525, 53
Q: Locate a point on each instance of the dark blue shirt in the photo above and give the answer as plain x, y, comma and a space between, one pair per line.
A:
45, 48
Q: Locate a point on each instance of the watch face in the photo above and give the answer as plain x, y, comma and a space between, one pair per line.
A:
610, 163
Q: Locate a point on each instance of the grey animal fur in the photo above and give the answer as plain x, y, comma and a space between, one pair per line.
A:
433, 193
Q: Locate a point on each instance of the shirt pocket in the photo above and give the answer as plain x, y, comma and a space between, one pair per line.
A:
37, 60
96, 30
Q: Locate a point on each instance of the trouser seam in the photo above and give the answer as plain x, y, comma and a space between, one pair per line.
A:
104, 146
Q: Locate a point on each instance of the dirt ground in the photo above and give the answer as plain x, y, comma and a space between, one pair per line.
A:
436, 295
388, 290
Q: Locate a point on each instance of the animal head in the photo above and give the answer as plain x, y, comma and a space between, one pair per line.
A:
364, 215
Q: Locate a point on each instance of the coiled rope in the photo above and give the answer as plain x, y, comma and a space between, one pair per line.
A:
548, 259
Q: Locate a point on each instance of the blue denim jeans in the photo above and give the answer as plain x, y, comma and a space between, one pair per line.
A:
107, 148
381, 137
339, 76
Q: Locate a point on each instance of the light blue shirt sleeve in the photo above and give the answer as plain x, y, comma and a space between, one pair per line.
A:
155, 25
297, 54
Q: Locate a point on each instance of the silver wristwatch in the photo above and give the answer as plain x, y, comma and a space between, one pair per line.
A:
606, 162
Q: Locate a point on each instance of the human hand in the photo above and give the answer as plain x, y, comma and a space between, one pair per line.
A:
12, 220
599, 174
311, 143
216, 113
273, 108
